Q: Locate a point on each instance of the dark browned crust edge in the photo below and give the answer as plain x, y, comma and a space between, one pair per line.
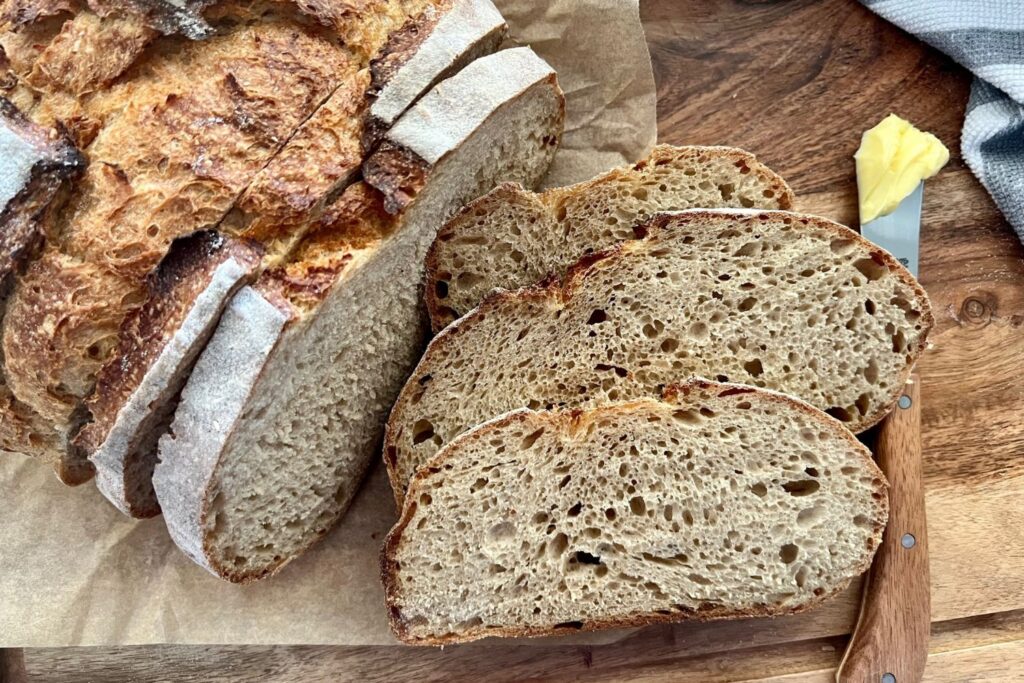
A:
564, 289
441, 315
399, 174
23, 218
171, 288
400, 47
389, 569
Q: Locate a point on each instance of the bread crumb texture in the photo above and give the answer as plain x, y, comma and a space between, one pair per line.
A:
723, 501
513, 238
774, 299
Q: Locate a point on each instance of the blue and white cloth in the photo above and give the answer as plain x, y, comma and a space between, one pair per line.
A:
987, 37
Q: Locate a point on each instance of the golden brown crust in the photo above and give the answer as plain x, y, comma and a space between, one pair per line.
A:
90, 52
322, 157
22, 12
62, 322
172, 288
197, 129
389, 566
355, 221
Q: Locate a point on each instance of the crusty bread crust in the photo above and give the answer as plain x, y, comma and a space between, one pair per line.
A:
557, 420
178, 136
547, 204
558, 291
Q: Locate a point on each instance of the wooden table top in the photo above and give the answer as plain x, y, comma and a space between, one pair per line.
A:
795, 82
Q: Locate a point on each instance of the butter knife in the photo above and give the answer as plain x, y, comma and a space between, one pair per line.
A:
890, 642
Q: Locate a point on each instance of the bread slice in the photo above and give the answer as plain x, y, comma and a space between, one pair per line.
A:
137, 389
721, 502
441, 42
449, 114
512, 238
773, 299
284, 409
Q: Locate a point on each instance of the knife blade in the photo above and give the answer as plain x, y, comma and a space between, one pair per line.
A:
899, 232
890, 641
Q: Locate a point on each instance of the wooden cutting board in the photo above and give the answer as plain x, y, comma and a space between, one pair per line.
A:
795, 82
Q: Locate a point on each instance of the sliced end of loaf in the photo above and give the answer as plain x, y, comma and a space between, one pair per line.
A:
446, 116
510, 240
137, 389
429, 48
219, 388
723, 501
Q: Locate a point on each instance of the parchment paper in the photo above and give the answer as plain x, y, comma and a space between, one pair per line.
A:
74, 571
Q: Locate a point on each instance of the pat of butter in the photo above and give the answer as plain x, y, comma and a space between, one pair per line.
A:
893, 158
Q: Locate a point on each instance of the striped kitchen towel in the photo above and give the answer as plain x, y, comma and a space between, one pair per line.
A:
987, 37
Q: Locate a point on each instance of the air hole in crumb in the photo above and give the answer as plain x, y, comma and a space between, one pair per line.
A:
422, 431
754, 367
575, 509
788, 553
841, 414
637, 505
870, 268
801, 487
747, 303
558, 545
842, 246
501, 531
759, 489
531, 439
584, 557
598, 316
810, 516
687, 417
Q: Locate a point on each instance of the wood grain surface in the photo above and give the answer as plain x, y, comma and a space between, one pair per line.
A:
891, 635
795, 82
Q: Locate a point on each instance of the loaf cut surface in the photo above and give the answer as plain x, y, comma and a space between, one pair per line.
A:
722, 501
284, 410
772, 299
137, 389
512, 238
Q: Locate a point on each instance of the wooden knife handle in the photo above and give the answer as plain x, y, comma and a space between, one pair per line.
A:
890, 642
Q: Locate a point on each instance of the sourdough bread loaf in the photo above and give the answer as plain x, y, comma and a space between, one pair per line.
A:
512, 238
772, 299
721, 501
284, 409
250, 131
